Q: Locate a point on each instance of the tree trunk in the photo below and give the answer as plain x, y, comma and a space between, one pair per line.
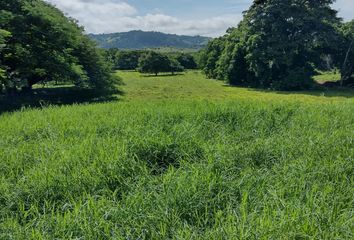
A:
344, 68
31, 81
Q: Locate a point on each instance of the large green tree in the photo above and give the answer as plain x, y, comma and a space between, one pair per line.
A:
210, 56
128, 60
153, 62
347, 50
187, 61
175, 66
45, 45
276, 44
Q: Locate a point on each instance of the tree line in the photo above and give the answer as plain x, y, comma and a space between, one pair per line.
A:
150, 61
280, 44
38, 43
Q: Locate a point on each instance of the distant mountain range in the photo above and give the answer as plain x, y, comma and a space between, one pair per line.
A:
143, 40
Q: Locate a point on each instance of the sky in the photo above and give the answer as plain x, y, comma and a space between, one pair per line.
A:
187, 17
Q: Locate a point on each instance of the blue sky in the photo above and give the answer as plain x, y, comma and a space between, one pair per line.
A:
189, 17
191, 8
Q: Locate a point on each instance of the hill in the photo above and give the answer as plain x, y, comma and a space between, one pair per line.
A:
142, 40
181, 157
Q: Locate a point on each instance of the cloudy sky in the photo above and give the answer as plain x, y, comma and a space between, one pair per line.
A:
190, 17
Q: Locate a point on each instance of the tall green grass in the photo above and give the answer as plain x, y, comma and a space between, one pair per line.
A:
180, 169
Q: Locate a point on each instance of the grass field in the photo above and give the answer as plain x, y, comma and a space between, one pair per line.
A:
194, 86
181, 157
328, 77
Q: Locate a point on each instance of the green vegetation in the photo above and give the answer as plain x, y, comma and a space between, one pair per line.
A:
124, 60
181, 157
136, 40
187, 61
192, 85
129, 59
155, 63
347, 53
53, 95
174, 50
177, 156
279, 44
38, 43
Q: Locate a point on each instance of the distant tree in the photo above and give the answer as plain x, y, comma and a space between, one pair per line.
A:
128, 60
153, 62
111, 56
187, 61
123, 59
46, 46
175, 66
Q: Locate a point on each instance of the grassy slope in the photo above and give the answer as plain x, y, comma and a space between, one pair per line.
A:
194, 86
184, 158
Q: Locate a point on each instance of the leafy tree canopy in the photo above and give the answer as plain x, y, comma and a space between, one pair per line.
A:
187, 61
39, 44
275, 46
155, 63
347, 53
124, 59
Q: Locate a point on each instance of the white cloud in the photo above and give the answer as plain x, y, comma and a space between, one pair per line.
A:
346, 9
207, 27
95, 15
94, 8
106, 16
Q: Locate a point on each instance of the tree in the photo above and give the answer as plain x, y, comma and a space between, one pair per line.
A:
282, 36
232, 64
187, 61
128, 60
153, 62
210, 56
175, 66
5, 17
347, 58
275, 45
45, 46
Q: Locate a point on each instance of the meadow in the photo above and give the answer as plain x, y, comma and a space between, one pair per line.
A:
181, 157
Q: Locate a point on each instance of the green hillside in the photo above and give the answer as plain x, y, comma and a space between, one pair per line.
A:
181, 157
143, 40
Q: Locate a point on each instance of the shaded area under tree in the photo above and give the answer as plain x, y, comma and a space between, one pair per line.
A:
55, 96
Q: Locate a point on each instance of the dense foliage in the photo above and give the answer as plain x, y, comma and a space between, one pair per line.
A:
124, 59
129, 59
347, 50
155, 63
276, 45
187, 61
39, 44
